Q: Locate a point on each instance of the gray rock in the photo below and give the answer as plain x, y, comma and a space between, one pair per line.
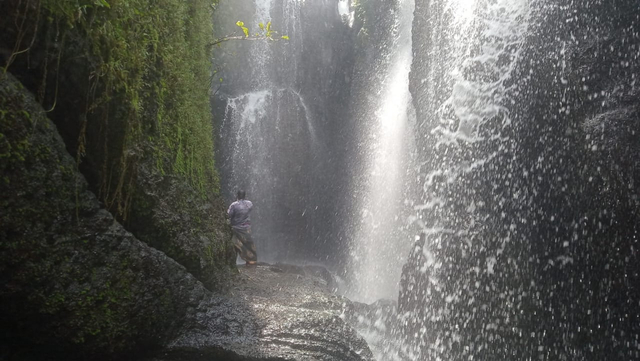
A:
382, 326
74, 281
169, 215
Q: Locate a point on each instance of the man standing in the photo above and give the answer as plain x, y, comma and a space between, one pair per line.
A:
239, 215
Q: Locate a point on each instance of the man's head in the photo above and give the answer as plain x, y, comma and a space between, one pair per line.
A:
240, 194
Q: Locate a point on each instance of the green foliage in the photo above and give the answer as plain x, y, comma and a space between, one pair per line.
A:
148, 125
268, 30
151, 74
244, 29
265, 33
16, 144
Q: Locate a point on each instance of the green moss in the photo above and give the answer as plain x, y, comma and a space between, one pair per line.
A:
213, 251
100, 315
53, 303
149, 95
152, 74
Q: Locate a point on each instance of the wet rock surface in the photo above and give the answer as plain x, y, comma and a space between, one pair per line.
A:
381, 325
279, 312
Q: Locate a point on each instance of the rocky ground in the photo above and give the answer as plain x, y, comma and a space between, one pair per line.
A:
274, 312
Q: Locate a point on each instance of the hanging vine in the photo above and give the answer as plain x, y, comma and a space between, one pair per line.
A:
146, 94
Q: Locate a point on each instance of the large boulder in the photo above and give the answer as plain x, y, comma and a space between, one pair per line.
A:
168, 214
74, 281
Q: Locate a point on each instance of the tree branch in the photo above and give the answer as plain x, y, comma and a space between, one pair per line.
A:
239, 37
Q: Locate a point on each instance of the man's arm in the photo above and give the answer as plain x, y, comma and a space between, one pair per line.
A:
231, 210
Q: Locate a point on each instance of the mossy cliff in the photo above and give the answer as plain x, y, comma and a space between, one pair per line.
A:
127, 83
106, 168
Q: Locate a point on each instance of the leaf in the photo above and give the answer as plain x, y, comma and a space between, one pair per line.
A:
285, 37
268, 34
240, 24
246, 31
261, 25
104, 3
221, 80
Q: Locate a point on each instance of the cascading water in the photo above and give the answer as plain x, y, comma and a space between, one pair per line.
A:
513, 244
271, 105
382, 240
268, 135
464, 122
473, 58
268, 150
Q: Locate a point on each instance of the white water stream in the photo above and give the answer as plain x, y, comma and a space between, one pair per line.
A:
381, 245
471, 60
268, 130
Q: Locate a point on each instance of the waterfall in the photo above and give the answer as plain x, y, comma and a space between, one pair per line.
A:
267, 128
517, 209
464, 90
382, 241
492, 128
470, 74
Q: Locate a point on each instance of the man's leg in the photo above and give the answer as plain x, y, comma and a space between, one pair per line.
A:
244, 246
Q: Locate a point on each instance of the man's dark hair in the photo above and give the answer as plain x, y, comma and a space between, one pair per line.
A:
240, 195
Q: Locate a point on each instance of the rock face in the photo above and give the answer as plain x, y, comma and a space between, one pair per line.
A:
74, 282
169, 215
381, 325
531, 182
277, 312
